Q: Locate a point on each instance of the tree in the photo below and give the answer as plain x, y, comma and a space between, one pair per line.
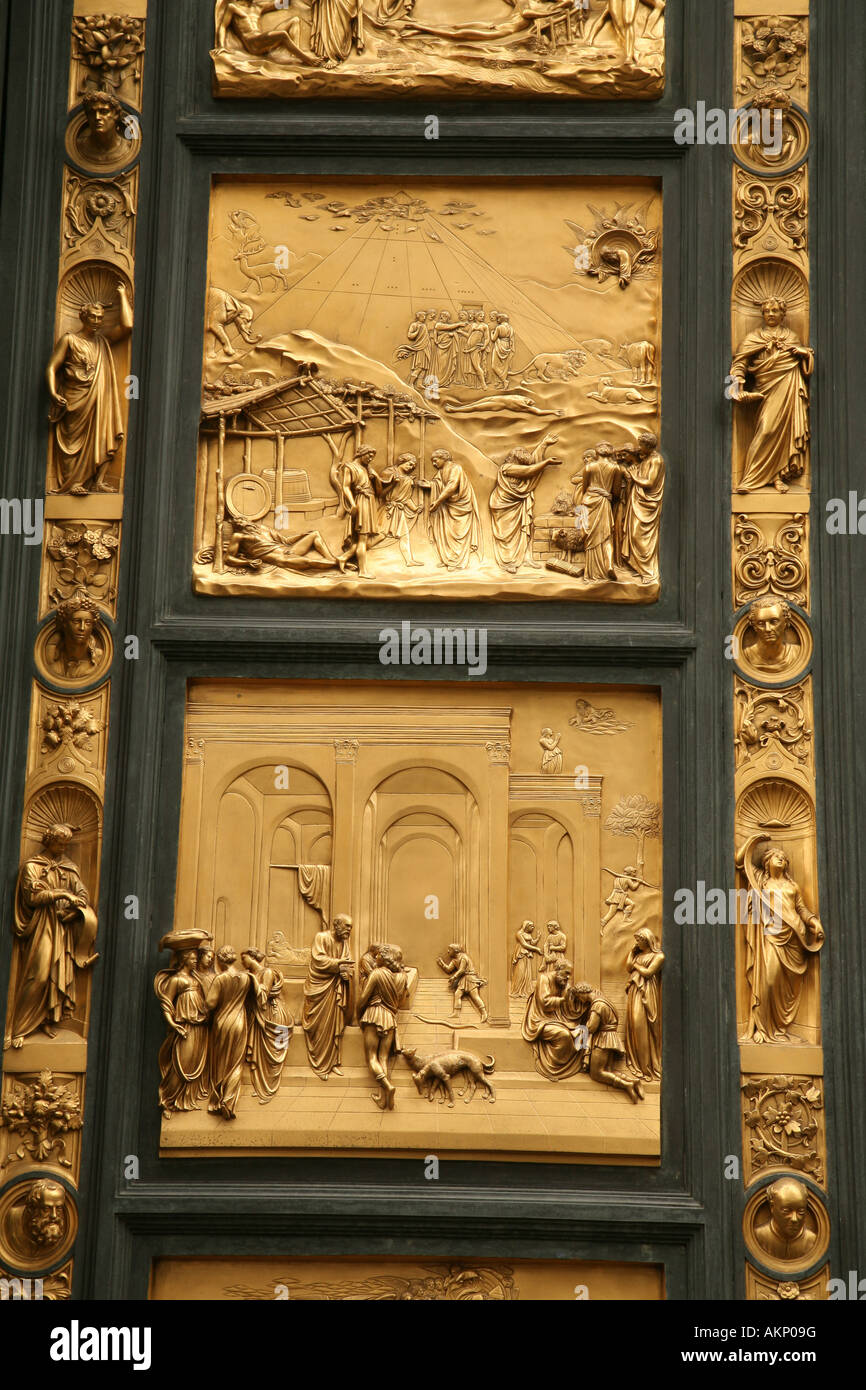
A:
637, 816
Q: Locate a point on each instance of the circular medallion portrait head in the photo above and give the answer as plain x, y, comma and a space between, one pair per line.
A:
74, 649
774, 644
103, 135
786, 1226
38, 1224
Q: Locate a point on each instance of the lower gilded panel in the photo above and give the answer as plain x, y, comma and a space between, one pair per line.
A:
392, 898
400, 1281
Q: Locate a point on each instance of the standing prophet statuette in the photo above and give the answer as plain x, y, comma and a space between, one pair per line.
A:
54, 928
779, 366
86, 409
782, 934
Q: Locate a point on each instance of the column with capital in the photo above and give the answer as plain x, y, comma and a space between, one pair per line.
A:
345, 827
496, 950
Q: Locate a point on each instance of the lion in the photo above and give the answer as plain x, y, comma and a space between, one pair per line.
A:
553, 366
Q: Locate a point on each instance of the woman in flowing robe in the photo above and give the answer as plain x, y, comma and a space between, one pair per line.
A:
226, 1002
594, 495
270, 1026
780, 367
643, 1006
183, 1055
522, 965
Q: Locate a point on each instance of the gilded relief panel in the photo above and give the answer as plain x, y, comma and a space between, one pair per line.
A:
587, 48
343, 1280
445, 905
432, 388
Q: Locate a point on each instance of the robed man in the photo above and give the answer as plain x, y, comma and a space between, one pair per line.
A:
552, 1024
454, 521
328, 997
86, 408
643, 512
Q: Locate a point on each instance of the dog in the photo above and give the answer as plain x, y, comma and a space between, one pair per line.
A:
433, 1075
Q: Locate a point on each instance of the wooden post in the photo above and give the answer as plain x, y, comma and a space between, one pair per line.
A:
279, 518
422, 465
390, 431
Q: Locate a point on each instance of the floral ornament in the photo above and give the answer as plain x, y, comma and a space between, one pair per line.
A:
80, 554
781, 1115
42, 1113
89, 200
68, 723
774, 48
788, 1292
109, 45
101, 203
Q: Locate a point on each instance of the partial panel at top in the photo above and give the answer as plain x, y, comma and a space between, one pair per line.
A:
571, 48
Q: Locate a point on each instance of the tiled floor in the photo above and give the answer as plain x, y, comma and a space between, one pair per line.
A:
530, 1115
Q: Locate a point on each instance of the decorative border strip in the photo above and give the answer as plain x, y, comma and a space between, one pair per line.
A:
786, 1226
55, 915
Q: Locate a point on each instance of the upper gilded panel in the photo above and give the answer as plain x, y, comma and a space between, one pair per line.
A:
584, 48
444, 388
